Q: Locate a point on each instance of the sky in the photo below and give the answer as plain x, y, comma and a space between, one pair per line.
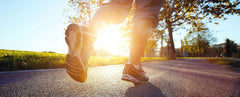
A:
38, 25
225, 29
33, 25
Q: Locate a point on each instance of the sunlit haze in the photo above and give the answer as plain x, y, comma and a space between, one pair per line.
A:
110, 38
38, 25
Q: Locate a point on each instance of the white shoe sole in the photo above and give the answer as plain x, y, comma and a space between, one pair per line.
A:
130, 78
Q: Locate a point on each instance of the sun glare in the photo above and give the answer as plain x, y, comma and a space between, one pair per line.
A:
109, 39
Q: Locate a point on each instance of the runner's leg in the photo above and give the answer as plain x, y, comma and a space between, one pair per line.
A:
80, 39
114, 12
144, 20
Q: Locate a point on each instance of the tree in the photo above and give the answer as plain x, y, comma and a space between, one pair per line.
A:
197, 46
231, 48
228, 48
174, 14
163, 38
179, 13
155, 36
197, 41
151, 46
218, 50
81, 11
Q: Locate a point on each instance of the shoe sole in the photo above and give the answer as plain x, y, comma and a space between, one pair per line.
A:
76, 70
75, 66
129, 78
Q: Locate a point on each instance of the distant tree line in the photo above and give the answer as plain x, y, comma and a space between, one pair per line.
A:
231, 49
203, 49
192, 16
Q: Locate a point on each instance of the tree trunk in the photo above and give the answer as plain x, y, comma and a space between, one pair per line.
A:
168, 50
198, 47
161, 49
171, 43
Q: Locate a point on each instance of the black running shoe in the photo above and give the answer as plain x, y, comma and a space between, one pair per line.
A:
80, 45
134, 73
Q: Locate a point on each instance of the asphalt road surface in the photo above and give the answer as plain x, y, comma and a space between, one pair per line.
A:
175, 78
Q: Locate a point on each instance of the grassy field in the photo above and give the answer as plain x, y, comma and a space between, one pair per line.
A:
218, 60
225, 61
26, 60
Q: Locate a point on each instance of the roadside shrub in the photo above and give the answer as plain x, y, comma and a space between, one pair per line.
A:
26, 60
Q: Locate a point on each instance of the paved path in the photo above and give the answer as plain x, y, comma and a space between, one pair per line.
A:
176, 78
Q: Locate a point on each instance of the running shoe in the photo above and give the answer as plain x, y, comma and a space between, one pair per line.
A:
134, 73
80, 45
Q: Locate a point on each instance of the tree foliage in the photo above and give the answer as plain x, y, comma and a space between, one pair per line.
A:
174, 14
197, 42
81, 11
153, 40
180, 13
231, 48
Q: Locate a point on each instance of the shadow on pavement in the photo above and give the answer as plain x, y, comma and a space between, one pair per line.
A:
7, 78
144, 90
236, 90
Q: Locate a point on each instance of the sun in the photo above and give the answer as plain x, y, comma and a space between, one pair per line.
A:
109, 39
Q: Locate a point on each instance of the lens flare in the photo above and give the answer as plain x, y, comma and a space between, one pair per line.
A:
109, 39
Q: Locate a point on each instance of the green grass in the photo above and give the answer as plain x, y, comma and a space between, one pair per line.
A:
218, 60
99, 60
27, 60
190, 57
224, 61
